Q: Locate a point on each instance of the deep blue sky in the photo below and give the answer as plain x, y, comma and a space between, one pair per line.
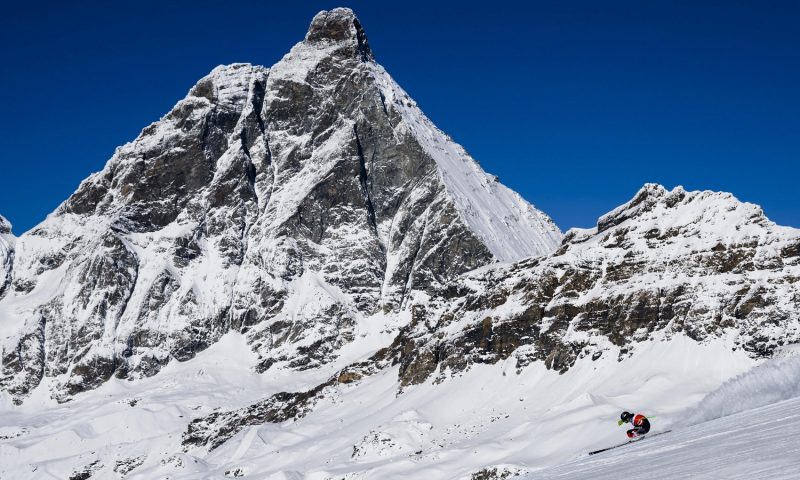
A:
575, 104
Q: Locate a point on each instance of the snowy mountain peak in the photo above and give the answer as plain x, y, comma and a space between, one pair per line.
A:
287, 203
644, 200
339, 25
659, 226
706, 210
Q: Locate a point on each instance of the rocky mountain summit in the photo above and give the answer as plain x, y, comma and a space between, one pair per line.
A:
284, 202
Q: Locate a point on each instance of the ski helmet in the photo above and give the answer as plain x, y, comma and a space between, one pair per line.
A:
626, 416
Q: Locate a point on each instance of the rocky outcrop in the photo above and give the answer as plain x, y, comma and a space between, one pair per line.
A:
7, 241
286, 202
215, 429
674, 262
501, 472
211, 431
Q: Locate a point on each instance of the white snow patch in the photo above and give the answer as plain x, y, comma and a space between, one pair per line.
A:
772, 381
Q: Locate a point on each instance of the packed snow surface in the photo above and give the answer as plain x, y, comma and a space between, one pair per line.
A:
755, 444
774, 380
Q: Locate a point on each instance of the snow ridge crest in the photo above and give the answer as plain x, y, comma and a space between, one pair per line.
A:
690, 203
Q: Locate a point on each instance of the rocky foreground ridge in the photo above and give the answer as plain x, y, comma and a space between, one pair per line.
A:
284, 202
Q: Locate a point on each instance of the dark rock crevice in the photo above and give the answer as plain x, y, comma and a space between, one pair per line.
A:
363, 178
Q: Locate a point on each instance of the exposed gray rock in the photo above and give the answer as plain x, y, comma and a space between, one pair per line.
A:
7, 241
498, 473
213, 430
86, 472
127, 465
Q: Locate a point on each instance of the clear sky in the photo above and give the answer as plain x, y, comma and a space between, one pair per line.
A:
574, 104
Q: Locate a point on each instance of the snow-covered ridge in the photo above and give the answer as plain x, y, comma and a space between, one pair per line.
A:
666, 263
716, 210
511, 227
677, 222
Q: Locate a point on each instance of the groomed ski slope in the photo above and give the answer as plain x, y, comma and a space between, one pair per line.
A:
763, 443
493, 416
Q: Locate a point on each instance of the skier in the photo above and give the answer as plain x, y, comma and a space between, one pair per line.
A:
640, 424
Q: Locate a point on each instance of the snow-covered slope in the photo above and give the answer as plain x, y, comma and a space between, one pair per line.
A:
492, 415
508, 225
287, 203
758, 443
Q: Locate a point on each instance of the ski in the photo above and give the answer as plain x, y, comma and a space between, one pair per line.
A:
628, 442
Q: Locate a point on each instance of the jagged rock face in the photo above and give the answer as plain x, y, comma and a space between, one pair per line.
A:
286, 202
668, 262
7, 241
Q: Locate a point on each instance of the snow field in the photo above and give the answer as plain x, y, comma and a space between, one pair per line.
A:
488, 416
774, 380
755, 444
